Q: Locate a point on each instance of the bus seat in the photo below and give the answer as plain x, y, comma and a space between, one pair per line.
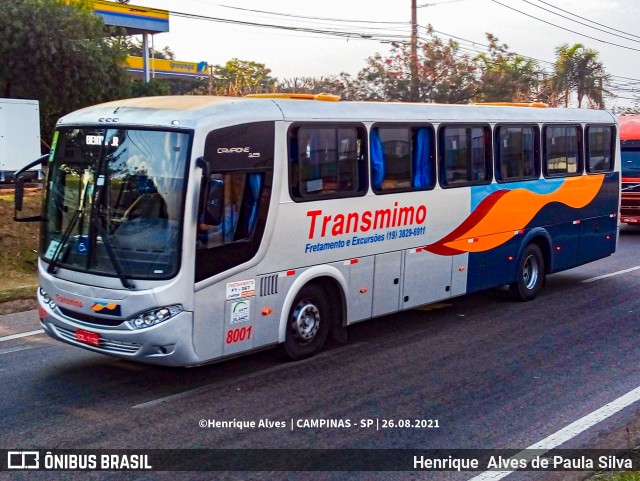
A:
151, 206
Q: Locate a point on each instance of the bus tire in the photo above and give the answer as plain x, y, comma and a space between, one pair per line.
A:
531, 274
308, 323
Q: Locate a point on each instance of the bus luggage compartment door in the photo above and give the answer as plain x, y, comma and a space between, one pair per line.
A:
597, 238
386, 283
427, 278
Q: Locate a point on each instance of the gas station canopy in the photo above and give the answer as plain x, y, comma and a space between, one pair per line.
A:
135, 19
145, 21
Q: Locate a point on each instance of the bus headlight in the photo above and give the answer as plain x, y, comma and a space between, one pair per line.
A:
154, 316
46, 299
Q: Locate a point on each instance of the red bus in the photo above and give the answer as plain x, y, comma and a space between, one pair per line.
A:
630, 152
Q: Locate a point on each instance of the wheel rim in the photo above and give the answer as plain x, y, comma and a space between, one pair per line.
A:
530, 272
305, 321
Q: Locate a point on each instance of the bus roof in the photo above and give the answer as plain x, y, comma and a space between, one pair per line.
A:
629, 127
192, 111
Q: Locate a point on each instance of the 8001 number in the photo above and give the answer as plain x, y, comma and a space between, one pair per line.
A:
238, 335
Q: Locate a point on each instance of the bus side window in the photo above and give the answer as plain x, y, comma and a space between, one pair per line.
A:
600, 149
236, 211
562, 150
465, 155
517, 153
348, 151
326, 161
402, 159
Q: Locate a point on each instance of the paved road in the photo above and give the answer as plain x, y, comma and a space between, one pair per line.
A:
492, 372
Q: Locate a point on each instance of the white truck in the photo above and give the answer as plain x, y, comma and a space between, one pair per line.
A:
19, 137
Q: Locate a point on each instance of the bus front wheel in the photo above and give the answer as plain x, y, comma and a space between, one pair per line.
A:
531, 272
308, 323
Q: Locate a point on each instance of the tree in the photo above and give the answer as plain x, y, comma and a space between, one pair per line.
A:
134, 48
241, 77
578, 70
161, 86
335, 84
505, 76
444, 74
57, 51
547, 90
152, 88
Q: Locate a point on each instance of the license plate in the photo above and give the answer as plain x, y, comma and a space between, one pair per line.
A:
86, 337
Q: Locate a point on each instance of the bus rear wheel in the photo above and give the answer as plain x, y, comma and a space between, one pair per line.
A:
308, 323
531, 273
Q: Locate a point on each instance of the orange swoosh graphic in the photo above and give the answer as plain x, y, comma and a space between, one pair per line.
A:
503, 213
100, 307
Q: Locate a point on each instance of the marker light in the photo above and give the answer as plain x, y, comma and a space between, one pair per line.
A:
46, 299
154, 316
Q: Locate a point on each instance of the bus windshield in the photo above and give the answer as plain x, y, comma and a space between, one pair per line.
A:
630, 162
114, 202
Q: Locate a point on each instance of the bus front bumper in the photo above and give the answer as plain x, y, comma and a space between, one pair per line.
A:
169, 343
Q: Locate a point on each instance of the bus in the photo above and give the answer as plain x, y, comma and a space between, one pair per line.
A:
630, 161
184, 230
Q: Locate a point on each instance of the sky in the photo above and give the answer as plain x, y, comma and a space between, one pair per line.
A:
368, 26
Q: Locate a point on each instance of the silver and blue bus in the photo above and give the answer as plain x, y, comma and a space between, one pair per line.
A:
183, 230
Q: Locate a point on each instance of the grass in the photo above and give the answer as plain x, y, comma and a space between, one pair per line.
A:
621, 476
18, 247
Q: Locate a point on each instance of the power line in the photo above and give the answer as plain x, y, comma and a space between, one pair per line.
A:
316, 18
365, 35
579, 22
439, 3
475, 44
340, 33
565, 29
616, 89
349, 34
592, 21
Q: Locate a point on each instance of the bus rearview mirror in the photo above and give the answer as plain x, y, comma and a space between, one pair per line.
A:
214, 203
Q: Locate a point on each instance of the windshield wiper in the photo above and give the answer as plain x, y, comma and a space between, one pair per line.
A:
124, 279
96, 221
63, 241
72, 223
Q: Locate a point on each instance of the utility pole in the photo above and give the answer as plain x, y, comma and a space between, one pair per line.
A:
413, 60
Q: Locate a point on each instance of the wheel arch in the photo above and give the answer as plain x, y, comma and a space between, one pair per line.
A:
330, 279
542, 239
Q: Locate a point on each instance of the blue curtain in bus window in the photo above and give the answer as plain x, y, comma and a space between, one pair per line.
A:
255, 187
377, 160
421, 162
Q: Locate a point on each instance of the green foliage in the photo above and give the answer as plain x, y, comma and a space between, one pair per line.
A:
505, 76
18, 247
444, 74
149, 89
619, 476
578, 70
170, 86
185, 86
135, 49
336, 84
241, 77
57, 51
